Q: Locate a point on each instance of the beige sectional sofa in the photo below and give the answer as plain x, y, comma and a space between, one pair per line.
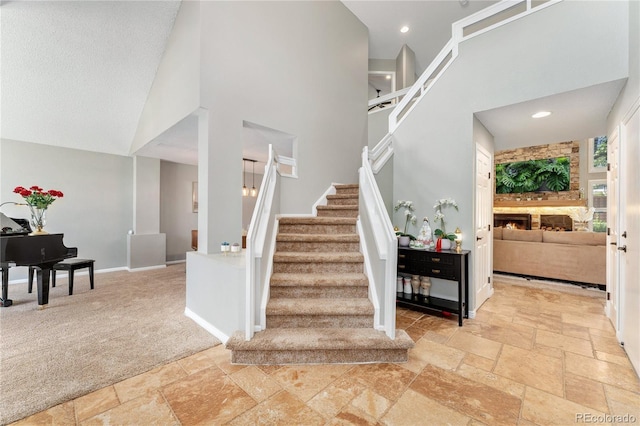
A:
567, 256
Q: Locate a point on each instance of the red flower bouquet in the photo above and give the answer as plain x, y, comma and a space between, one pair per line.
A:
38, 197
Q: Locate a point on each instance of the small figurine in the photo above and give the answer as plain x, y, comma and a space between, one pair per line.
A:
425, 236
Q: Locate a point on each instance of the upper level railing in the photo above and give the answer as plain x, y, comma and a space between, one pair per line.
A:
261, 240
485, 20
390, 99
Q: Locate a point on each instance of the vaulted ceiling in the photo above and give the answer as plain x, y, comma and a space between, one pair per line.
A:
77, 73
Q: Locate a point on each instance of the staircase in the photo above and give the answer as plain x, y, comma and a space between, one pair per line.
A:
319, 310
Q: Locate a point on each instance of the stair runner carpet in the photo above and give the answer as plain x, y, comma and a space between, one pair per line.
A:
319, 310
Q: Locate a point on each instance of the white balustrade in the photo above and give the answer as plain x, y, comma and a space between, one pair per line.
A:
380, 246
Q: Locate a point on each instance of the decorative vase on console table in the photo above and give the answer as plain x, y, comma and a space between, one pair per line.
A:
415, 284
444, 238
443, 244
407, 286
404, 239
425, 286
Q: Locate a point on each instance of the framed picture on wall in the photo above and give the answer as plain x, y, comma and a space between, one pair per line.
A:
194, 197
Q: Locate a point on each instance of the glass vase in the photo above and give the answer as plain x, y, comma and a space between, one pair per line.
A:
38, 220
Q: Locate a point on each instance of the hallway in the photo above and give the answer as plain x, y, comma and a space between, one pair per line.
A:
543, 356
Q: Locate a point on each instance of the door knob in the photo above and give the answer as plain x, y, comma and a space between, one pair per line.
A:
623, 248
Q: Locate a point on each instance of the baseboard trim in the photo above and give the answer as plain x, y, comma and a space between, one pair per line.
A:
146, 268
206, 325
64, 275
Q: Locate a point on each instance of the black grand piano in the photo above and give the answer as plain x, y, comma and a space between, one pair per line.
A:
17, 248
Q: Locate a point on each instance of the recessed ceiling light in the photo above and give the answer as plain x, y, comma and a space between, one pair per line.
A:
541, 114
404, 29
388, 77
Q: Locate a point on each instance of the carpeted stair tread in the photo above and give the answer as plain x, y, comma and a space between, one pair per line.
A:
319, 310
340, 197
323, 238
319, 339
350, 188
315, 220
310, 307
284, 279
317, 257
338, 207
338, 211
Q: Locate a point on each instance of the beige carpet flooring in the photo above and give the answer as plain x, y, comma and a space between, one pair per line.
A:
130, 323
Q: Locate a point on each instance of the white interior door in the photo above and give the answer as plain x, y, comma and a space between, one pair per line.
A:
629, 239
483, 257
613, 188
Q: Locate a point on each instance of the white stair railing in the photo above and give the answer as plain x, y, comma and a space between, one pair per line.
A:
492, 17
485, 20
393, 97
260, 242
380, 242
381, 246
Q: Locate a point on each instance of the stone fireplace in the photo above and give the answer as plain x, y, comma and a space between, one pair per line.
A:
552, 215
512, 220
556, 222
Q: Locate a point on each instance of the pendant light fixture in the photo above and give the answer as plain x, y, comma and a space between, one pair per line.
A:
254, 191
245, 191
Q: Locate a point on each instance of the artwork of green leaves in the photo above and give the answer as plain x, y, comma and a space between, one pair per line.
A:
550, 174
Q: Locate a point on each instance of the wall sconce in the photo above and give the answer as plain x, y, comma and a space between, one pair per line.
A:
245, 191
458, 234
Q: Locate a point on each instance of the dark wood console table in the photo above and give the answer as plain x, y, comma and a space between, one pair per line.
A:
445, 264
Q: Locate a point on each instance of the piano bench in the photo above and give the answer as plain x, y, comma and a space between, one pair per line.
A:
70, 265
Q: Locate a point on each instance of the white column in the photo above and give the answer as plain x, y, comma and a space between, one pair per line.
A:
146, 247
219, 181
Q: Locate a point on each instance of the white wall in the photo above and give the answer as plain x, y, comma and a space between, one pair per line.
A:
175, 92
177, 218
96, 210
298, 67
629, 100
378, 129
146, 195
552, 51
482, 136
631, 91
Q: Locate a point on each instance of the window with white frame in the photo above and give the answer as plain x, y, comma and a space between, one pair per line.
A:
598, 154
597, 193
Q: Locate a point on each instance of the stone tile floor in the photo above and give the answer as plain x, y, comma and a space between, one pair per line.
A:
543, 355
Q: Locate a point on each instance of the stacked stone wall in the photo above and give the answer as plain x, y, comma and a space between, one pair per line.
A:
540, 152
